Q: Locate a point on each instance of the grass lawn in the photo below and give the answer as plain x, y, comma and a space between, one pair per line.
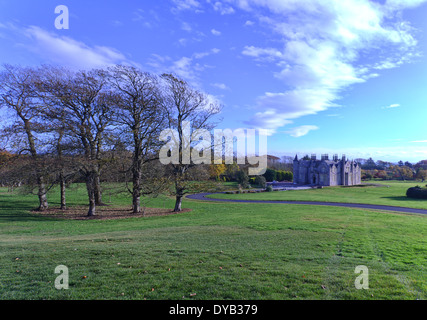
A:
216, 251
391, 193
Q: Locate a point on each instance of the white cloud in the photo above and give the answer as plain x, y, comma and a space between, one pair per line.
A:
323, 45
182, 5
188, 67
267, 54
282, 108
221, 86
200, 55
216, 32
186, 27
301, 131
420, 141
69, 52
222, 8
395, 105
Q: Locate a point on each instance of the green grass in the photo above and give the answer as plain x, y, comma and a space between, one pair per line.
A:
391, 193
216, 251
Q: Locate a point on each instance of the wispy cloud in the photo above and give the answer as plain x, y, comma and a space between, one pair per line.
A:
182, 5
70, 52
222, 8
395, 105
324, 44
216, 32
188, 67
221, 86
301, 131
267, 54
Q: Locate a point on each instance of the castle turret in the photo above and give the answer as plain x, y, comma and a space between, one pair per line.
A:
296, 170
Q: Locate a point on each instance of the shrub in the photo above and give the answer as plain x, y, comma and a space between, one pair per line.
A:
288, 176
269, 188
243, 179
260, 181
417, 193
270, 175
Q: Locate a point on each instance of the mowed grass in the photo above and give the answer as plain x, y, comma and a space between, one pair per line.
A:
216, 251
391, 193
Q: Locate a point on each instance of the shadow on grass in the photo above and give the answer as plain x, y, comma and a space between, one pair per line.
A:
13, 209
404, 199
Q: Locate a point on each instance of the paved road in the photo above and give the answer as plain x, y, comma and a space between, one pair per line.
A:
202, 196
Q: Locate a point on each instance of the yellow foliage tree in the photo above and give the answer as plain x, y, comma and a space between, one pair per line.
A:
216, 170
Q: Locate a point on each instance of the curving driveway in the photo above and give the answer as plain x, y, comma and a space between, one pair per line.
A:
202, 196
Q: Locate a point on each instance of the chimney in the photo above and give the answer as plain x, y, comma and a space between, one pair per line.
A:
313, 157
335, 157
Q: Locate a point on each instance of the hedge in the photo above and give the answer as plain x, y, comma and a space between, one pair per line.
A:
279, 175
417, 192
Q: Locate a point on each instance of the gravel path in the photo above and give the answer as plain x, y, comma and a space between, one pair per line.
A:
202, 196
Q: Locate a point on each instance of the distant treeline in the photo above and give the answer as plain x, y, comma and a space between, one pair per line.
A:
389, 171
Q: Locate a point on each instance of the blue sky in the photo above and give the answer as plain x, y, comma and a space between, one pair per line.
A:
322, 76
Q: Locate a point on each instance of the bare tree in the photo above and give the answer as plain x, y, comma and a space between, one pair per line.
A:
85, 103
18, 94
140, 118
187, 110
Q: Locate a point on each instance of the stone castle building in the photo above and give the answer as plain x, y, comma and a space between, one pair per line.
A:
325, 172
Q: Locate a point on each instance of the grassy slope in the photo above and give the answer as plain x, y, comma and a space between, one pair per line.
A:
391, 193
217, 251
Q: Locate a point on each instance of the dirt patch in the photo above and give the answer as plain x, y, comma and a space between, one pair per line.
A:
105, 213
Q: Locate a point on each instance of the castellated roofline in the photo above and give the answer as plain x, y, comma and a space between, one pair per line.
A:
324, 157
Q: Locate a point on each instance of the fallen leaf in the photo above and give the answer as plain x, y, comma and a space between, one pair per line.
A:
192, 294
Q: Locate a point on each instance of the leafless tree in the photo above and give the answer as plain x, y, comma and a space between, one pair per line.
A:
139, 118
18, 94
183, 104
83, 104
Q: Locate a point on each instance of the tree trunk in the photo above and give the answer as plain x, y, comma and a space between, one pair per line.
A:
62, 186
136, 204
43, 205
90, 185
97, 189
178, 202
136, 191
92, 206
